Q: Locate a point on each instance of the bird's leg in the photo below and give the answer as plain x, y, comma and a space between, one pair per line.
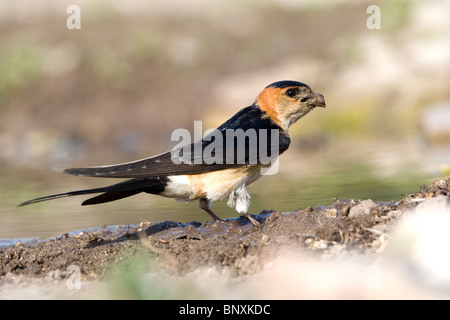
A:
252, 220
240, 200
205, 204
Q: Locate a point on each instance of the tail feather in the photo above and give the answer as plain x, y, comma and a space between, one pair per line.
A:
110, 193
61, 195
110, 196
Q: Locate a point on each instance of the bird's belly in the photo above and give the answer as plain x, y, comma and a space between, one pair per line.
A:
215, 185
178, 187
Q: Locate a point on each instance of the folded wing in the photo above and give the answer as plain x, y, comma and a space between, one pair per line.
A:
238, 142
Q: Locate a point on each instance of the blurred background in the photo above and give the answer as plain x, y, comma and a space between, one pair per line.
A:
114, 90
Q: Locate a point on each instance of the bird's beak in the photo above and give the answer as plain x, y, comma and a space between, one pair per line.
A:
316, 100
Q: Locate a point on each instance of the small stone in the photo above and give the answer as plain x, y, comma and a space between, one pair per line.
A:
362, 209
330, 212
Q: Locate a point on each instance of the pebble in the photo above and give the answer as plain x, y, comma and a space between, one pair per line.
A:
362, 209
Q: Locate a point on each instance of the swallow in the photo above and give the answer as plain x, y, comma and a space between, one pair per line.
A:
194, 176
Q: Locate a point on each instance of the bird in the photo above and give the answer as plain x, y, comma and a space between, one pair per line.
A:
216, 166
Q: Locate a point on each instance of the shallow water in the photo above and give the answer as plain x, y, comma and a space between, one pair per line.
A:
304, 179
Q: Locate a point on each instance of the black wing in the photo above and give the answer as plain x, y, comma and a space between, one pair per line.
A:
250, 137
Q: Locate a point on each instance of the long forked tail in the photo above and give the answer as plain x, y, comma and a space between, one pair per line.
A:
114, 192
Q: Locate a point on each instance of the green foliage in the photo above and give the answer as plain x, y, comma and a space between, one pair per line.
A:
394, 14
18, 67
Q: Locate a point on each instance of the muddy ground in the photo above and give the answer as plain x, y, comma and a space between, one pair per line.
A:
348, 225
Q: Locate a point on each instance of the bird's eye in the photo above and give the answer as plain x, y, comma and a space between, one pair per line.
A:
291, 92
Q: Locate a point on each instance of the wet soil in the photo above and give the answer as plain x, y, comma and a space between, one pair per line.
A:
347, 225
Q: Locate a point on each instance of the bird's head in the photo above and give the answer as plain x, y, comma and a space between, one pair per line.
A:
287, 101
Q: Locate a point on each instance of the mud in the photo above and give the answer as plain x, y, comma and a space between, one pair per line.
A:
348, 225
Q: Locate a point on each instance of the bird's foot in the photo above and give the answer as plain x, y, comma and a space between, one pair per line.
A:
255, 223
